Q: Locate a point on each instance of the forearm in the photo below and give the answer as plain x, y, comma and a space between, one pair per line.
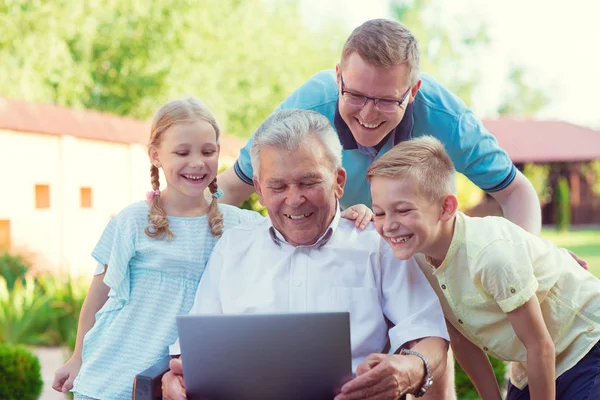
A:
235, 191
520, 204
541, 371
476, 364
94, 300
435, 349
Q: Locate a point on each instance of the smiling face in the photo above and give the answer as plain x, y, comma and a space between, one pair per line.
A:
299, 188
409, 222
369, 126
188, 154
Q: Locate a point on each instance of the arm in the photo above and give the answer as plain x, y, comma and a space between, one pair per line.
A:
521, 204
476, 364
408, 302
528, 323
235, 191
94, 300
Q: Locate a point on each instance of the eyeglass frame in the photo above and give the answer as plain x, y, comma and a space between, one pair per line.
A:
374, 99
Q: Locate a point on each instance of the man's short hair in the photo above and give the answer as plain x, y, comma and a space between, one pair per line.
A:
423, 160
385, 43
288, 129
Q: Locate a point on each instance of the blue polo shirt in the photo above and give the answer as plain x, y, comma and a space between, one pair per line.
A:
435, 111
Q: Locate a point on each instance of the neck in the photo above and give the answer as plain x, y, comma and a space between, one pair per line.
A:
177, 204
438, 252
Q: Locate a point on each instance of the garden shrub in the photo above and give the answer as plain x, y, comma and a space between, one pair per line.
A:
20, 374
13, 268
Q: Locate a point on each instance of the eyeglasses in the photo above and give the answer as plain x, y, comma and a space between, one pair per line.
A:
383, 105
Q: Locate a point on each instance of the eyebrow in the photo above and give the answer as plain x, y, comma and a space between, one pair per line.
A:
311, 175
358, 92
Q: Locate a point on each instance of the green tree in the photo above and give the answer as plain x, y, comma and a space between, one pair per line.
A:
128, 57
522, 99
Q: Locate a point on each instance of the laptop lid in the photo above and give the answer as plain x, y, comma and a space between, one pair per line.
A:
260, 356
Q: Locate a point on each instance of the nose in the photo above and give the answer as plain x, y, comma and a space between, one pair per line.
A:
368, 112
389, 225
196, 162
295, 196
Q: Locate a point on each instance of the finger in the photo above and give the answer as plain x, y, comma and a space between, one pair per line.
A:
172, 387
385, 388
368, 379
58, 382
367, 365
176, 366
68, 385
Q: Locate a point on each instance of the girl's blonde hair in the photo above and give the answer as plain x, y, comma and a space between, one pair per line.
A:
176, 112
424, 160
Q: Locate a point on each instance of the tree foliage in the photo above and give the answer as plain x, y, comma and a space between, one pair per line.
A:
129, 56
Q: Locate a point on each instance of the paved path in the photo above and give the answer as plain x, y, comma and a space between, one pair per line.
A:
51, 358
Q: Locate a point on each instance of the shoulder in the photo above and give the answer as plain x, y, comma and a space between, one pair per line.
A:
433, 97
348, 235
233, 216
491, 241
319, 93
137, 211
246, 229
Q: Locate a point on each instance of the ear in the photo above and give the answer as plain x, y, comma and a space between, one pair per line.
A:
258, 190
414, 90
153, 154
449, 207
340, 182
338, 74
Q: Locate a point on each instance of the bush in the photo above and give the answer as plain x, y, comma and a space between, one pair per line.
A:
465, 389
20, 374
13, 268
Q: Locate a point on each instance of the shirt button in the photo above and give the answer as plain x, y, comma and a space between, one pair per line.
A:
485, 348
298, 284
460, 321
512, 290
444, 287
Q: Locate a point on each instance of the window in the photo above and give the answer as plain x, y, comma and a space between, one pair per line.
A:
42, 196
4, 233
86, 197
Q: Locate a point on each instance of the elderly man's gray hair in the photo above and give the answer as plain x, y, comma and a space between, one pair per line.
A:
287, 129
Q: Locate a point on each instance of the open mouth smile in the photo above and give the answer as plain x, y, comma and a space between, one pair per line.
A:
298, 217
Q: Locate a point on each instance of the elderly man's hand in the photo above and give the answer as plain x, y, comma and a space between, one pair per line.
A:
383, 377
173, 387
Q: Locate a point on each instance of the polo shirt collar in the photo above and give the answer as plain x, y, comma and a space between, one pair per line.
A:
400, 133
278, 238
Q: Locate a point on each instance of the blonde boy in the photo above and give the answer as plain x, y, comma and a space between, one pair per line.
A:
504, 291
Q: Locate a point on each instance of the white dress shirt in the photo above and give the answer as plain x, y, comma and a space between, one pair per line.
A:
254, 270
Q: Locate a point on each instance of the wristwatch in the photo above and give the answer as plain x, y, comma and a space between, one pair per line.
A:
428, 378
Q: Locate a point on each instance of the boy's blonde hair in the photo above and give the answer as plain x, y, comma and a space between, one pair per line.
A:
385, 43
425, 161
176, 112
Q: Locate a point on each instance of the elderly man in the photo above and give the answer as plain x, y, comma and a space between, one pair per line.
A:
304, 258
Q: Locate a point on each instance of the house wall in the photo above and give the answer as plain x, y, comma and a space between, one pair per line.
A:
62, 237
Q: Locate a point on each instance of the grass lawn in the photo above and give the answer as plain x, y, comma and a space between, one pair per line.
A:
584, 243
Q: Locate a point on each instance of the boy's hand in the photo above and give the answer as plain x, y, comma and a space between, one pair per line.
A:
65, 375
359, 213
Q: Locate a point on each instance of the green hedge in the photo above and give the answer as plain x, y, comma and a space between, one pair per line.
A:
20, 374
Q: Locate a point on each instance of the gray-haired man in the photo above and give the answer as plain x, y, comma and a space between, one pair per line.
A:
311, 260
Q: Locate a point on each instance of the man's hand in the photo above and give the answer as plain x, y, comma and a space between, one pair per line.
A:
582, 263
173, 387
359, 213
383, 377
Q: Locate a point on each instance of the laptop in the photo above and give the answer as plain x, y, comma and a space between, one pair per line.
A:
265, 356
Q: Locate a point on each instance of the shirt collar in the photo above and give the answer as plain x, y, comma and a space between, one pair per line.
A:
322, 241
400, 133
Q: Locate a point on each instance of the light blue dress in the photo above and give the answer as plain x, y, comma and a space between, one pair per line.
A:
151, 282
